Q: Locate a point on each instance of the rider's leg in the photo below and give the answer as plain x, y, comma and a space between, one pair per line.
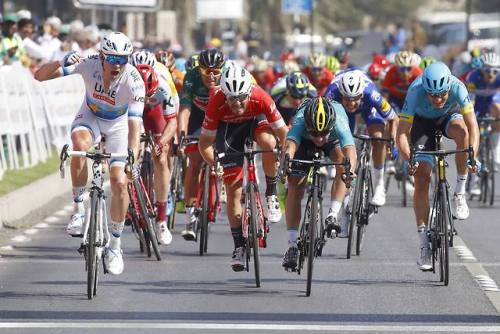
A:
161, 181
457, 131
296, 186
119, 202
379, 154
191, 184
82, 141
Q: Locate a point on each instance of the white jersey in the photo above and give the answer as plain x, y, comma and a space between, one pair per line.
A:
163, 98
125, 95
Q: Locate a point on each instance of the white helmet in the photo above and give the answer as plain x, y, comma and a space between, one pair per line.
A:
491, 59
236, 81
143, 57
352, 83
116, 43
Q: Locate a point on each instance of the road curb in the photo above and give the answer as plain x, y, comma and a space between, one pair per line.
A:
21, 202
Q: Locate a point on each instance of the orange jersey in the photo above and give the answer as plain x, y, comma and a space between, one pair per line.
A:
395, 85
321, 83
178, 77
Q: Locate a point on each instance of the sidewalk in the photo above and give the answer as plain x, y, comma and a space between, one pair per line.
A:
21, 202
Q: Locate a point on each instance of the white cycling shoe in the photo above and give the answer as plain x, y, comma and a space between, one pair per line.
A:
424, 262
273, 209
113, 260
378, 198
163, 234
461, 207
75, 225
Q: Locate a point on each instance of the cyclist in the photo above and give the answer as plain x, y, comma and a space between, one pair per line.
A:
333, 64
483, 85
399, 77
378, 69
358, 95
263, 74
194, 100
344, 57
430, 105
114, 94
192, 62
320, 123
289, 92
426, 61
319, 76
237, 110
159, 117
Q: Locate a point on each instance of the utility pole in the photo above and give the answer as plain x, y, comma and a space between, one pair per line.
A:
468, 9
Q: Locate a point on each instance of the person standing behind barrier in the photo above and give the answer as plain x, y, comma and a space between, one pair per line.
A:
113, 106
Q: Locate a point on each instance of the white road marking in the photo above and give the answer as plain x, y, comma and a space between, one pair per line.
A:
253, 327
42, 225
31, 231
7, 248
61, 213
68, 208
52, 219
20, 238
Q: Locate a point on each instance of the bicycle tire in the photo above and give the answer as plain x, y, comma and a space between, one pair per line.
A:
302, 244
173, 193
364, 209
254, 239
311, 244
91, 254
491, 173
444, 236
151, 239
354, 212
203, 217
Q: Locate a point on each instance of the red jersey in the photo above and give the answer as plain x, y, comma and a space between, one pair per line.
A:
394, 84
321, 84
265, 80
259, 102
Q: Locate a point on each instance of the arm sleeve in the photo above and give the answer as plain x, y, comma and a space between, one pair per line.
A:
464, 101
273, 116
380, 103
342, 128
168, 104
137, 93
409, 106
186, 96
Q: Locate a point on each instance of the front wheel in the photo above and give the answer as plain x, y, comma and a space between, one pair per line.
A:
203, 215
253, 236
311, 239
91, 248
151, 239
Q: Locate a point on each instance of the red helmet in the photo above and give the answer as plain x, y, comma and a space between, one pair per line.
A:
374, 71
381, 60
149, 77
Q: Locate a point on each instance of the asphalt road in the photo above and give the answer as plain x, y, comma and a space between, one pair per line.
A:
43, 289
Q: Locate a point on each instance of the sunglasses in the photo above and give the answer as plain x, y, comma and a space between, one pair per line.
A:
405, 68
317, 69
208, 71
116, 60
239, 98
319, 135
438, 95
355, 98
491, 70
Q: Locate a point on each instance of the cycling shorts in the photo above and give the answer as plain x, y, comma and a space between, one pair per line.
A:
196, 118
115, 130
231, 138
306, 152
423, 130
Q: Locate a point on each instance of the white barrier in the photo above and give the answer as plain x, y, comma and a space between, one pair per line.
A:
34, 116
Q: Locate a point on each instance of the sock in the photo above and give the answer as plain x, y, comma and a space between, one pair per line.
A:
422, 234
292, 237
117, 228
190, 214
335, 207
237, 237
161, 211
271, 185
115, 243
78, 206
378, 176
460, 187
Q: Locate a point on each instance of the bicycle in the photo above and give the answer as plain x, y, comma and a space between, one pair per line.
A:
441, 220
253, 222
312, 235
401, 177
141, 212
360, 209
207, 199
176, 191
95, 233
487, 159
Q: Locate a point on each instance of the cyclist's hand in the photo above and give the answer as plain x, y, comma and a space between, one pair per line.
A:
71, 58
474, 166
133, 172
412, 168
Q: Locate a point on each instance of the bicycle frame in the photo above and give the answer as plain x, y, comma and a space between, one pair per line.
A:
213, 192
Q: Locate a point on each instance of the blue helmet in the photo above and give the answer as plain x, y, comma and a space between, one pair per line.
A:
476, 62
436, 78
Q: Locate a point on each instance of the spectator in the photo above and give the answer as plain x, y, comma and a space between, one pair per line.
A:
11, 46
25, 29
50, 40
400, 36
418, 36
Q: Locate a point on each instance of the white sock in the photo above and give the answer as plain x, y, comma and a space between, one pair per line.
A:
117, 228
190, 214
78, 206
292, 237
422, 234
335, 207
378, 176
115, 243
460, 187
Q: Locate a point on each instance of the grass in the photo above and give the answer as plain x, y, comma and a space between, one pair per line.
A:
15, 179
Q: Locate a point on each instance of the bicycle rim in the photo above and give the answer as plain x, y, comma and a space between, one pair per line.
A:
302, 244
364, 210
254, 237
355, 209
445, 222
91, 248
311, 240
151, 234
173, 193
203, 217
491, 174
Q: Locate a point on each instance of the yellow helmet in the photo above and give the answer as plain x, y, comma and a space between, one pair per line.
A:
404, 59
317, 60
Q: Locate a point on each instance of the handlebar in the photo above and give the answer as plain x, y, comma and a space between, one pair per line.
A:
443, 153
368, 138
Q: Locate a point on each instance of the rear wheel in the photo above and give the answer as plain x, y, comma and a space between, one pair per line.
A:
91, 248
151, 239
444, 223
311, 239
174, 184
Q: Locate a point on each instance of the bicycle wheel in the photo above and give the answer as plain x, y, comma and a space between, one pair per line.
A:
444, 222
302, 244
203, 215
151, 239
364, 210
91, 247
311, 239
174, 183
354, 213
253, 236
491, 172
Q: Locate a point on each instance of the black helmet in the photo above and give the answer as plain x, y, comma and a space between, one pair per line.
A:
192, 62
211, 58
297, 84
319, 115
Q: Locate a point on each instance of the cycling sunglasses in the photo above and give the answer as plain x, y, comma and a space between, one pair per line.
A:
317, 69
405, 68
239, 98
491, 70
355, 98
116, 60
438, 95
208, 71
